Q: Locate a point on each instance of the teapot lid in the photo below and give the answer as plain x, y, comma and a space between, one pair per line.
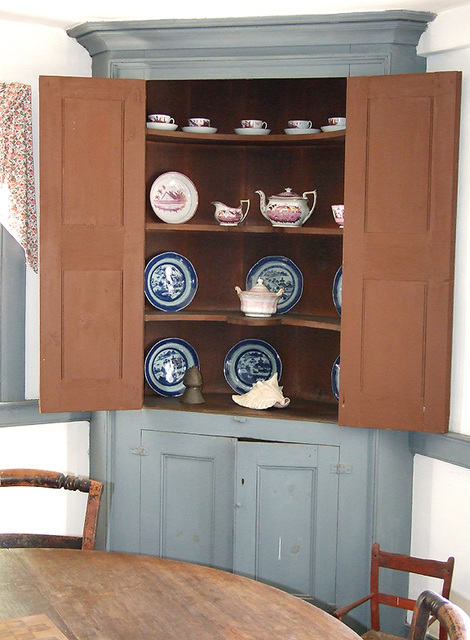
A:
288, 193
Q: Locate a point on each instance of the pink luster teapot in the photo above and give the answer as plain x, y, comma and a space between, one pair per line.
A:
287, 209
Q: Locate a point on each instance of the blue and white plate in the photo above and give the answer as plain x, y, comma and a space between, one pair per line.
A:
277, 272
338, 289
170, 281
166, 363
335, 378
249, 361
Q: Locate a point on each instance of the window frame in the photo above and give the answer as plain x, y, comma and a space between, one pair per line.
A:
12, 318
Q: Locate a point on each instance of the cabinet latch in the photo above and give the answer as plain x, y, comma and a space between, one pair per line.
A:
341, 468
139, 451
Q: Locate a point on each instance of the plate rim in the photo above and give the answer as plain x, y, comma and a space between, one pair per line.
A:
152, 351
334, 291
334, 386
249, 283
243, 389
189, 266
189, 185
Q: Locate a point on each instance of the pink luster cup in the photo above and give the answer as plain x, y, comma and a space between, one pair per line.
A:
338, 214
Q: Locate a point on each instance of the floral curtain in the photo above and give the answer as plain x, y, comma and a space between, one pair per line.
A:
17, 196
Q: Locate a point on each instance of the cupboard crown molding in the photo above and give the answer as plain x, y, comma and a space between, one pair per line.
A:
304, 46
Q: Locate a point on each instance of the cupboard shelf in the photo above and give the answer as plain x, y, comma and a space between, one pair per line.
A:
163, 227
238, 318
331, 138
222, 403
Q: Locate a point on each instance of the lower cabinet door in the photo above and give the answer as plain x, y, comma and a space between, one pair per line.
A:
187, 498
286, 516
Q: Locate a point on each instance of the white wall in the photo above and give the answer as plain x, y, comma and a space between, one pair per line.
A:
56, 447
446, 45
441, 507
441, 522
26, 52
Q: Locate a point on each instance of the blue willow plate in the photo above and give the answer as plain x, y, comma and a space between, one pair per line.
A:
335, 378
338, 289
166, 363
249, 361
170, 281
277, 272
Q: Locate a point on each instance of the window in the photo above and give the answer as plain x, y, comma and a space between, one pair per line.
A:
18, 215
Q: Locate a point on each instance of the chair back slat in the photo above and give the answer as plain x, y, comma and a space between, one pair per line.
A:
55, 480
386, 560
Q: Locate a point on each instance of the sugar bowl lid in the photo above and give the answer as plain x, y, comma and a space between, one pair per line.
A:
259, 289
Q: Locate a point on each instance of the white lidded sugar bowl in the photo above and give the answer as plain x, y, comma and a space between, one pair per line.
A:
259, 301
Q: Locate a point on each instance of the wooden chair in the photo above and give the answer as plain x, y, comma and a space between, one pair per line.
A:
54, 480
386, 560
454, 620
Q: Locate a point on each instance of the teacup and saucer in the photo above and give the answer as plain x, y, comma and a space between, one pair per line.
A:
253, 128
199, 125
161, 121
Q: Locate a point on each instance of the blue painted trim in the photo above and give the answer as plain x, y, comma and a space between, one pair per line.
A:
448, 447
14, 414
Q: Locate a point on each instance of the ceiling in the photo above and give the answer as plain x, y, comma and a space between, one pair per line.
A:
66, 13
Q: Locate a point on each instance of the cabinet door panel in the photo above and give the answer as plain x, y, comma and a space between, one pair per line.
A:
398, 261
286, 516
187, 498
91, 238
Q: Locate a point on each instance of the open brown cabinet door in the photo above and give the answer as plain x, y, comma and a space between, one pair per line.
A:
92, 155
398, 269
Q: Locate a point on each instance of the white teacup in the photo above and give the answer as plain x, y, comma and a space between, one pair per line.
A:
300, 124
254, 124
336, 121
199, 122
161, 118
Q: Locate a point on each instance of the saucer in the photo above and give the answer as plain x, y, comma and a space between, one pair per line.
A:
252, 132
333, 127
166, 126
295, 131
199, 129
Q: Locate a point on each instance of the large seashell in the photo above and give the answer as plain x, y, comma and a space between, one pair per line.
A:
263, 395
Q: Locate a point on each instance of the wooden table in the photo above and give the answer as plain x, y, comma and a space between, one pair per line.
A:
116, 596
